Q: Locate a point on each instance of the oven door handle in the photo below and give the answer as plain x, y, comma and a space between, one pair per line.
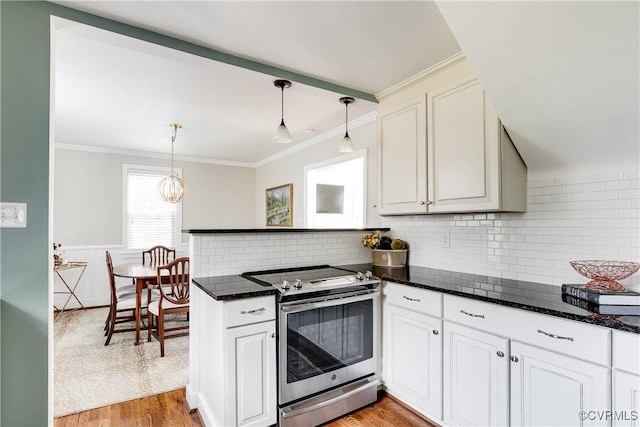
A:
326, 301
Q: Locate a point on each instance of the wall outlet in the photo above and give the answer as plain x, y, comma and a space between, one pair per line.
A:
445, 242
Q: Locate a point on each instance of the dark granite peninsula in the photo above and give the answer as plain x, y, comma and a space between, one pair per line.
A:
536, 297
275, 230
223, 288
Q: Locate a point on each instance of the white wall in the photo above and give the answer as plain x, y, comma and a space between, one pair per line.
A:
583, 216
88, 196
88, 211
290, 169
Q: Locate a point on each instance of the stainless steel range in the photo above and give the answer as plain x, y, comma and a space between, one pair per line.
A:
328, 342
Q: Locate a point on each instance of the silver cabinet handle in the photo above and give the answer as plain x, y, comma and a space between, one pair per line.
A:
273, 335
257, 310
422, 202
411, 299
558, 337
472, 315
514, 359
435, 332
500, 354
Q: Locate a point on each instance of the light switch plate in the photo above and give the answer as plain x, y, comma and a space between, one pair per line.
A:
13, 215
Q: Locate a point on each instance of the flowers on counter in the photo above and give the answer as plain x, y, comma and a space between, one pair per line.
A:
376, 241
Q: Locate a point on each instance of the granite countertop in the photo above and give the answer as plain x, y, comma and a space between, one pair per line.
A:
537, 297
274, 230
225, 288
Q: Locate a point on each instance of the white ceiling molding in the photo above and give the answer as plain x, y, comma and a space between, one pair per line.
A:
354, 124
150, 155
421, 75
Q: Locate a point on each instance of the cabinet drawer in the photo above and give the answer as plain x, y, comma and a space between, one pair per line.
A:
576, 339
626, 351
412, 298
250, 310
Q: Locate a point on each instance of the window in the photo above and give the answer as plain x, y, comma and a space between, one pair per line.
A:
148, 220
335, 192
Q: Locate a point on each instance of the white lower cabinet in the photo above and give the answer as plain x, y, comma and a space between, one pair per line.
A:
626, 399
550, 389
232, 369
476, 377
412, 347
413, 359
626, 379
252, 360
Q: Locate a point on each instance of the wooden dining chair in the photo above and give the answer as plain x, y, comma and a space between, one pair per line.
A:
174, 298
158, 255
123, 304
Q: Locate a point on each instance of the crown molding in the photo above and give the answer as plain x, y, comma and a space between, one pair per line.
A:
151, 155
354, 124
422, 75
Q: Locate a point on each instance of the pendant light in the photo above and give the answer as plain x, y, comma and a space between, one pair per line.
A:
171, 188
347, 144
282, 135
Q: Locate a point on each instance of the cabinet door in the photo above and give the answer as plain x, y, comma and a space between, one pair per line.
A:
463, 148
252, 374
550, 389
413, 359
476, 377
402, 159
626, 399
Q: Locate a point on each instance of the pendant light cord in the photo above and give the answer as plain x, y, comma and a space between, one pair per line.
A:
175, 127
346, 120
282, 105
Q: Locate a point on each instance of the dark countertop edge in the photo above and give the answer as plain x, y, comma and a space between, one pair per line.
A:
598, 322
266, 291
276, 230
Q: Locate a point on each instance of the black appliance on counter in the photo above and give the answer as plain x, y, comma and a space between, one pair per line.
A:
328, 326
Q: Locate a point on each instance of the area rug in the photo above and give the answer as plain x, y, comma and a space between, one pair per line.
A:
88, 374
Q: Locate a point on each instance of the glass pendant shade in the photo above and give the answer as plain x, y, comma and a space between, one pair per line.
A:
282, 135
347, 145
171, 188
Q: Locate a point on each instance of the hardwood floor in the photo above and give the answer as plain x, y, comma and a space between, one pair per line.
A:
170, 409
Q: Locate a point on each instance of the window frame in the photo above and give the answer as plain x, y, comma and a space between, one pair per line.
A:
330, 162
145, 169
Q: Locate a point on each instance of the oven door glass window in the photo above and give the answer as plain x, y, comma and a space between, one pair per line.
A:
321, 340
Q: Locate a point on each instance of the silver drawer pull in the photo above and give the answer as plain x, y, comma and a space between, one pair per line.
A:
411, 299
257, 310
472, 315
558, 337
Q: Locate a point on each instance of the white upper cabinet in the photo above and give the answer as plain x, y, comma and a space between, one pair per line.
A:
443, 149
402, 156
473, 165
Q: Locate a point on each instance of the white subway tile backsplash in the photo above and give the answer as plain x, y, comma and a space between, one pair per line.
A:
568, 218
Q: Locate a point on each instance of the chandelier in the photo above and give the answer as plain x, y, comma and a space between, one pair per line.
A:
171, 188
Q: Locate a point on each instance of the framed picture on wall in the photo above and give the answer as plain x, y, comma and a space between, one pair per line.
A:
279, 207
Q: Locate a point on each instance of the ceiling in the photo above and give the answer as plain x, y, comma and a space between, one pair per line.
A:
562, 75
117, 93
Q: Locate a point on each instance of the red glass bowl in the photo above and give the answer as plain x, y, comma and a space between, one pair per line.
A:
604, 274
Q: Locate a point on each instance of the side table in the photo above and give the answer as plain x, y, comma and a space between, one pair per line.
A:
71, 290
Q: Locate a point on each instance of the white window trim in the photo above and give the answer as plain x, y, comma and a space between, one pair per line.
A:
332, 161
126, 168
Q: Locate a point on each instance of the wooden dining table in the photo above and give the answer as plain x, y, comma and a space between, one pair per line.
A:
143, 275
